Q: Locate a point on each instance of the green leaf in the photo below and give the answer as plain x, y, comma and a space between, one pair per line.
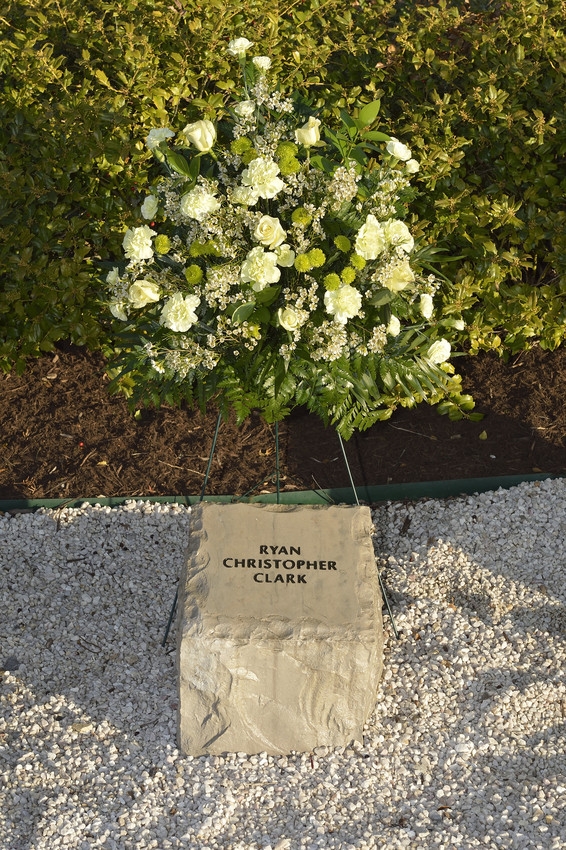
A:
268, 295
376, 136
384, 296
368, 114
261, 315
339, 143
322, 163
178, 163
350, 124
243, 312
101, 76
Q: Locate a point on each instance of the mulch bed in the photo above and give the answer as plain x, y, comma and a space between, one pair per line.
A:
63, 437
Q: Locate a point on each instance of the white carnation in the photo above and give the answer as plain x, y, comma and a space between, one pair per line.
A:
261, 176
245, 108
398, 235
238, 46
199, 203
178, 313
343, 303
260, 269
137, 243
244, 195
158, 135
370, 241
262, 63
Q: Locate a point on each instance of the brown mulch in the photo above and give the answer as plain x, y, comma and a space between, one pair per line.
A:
62, 436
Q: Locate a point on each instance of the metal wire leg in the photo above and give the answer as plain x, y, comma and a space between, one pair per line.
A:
381, 584
277, 480
202, 492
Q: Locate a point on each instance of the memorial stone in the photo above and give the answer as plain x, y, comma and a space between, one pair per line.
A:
280, 641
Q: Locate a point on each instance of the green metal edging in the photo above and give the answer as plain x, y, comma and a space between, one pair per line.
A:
338, 495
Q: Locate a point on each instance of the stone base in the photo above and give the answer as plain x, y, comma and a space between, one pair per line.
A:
277, 665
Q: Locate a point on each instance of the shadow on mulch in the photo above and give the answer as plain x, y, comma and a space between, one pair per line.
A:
63, 437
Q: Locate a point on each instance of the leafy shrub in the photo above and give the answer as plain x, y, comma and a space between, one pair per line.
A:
478, 93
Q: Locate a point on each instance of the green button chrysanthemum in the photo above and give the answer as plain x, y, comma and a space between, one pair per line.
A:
286, 149
348, 275
343, 244
358, 262
303, 263
289, 165
162, 243
301, 216
193, 274
332, 282
241, 145
317, 258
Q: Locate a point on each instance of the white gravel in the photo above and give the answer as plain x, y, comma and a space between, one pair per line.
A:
466, 747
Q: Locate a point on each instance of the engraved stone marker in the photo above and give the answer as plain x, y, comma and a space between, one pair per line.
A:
280, 642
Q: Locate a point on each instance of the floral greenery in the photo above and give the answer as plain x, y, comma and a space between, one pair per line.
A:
276, 271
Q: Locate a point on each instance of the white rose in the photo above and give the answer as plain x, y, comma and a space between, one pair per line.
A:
245, 109
269, 232
262, 63
398, 277
343, 303
201, 134
412, 166
285, 256
149, 207
289, 318
199, 203
439, 351
398, 235
426, 306
261, 176
143, 292
158, 135
309, 133
370, 241
178, 314
398, 149
260, 269
118, 310
238, 46
394, 326
137, 243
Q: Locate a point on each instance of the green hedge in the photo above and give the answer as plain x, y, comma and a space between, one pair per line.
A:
474, 90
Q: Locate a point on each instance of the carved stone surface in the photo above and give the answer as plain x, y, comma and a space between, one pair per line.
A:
280, 642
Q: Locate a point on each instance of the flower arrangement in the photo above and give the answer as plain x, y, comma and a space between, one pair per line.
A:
274, 268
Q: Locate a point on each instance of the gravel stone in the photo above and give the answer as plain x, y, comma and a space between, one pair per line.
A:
466, 747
